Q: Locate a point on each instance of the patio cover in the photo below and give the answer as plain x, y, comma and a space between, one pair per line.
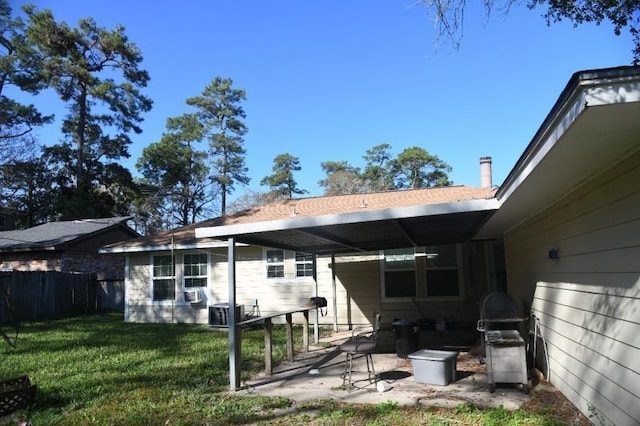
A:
591, 127
360, 222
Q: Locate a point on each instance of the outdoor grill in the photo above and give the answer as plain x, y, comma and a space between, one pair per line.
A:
504, 347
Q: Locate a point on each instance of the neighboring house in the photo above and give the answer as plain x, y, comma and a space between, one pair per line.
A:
564, 229
66, 246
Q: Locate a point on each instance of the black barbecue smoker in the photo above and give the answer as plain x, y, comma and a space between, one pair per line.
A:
504, 347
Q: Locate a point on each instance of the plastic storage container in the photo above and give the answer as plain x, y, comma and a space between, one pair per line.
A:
433, 367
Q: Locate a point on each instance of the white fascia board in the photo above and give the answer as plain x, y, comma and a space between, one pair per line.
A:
607, 92
348, 218
592, 90
165, 247
544, 143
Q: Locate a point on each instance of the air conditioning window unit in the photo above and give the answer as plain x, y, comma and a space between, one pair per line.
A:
193, 295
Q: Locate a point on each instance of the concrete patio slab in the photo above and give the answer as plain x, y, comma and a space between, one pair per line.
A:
317, 375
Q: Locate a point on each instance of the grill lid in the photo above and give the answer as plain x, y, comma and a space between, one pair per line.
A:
499, 306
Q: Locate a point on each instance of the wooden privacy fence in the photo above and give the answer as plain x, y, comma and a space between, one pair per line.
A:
37, 296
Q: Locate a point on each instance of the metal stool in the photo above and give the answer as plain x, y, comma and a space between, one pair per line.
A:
362, 342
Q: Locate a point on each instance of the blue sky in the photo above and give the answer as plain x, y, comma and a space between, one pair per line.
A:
327, 80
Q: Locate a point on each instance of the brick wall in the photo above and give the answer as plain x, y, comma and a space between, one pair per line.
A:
106, 267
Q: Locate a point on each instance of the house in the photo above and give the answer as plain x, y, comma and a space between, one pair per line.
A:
277, 277
570, 218
561, 235
66, 246
55, 268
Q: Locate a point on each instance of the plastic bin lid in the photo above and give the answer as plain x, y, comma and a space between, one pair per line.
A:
432, 355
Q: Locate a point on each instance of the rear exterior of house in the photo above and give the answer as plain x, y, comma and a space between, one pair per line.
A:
442, 283
176, 276
155, 294
587, 301
570, 217
439, 285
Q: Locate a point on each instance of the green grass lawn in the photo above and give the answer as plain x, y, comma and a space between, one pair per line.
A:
100, 370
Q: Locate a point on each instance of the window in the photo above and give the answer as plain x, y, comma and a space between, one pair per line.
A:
399, 273
163, 278
442, 271
195, 270
432, 271
275, 263
304, 265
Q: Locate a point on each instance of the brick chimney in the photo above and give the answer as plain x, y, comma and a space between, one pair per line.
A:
485, 172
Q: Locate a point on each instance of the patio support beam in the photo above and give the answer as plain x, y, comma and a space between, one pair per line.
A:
316, 322
305, 330
317, 232
403, 229
289, 327
334, 291
268, 346
235, 338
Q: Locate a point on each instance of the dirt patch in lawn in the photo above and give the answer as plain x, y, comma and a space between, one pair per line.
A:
544, 398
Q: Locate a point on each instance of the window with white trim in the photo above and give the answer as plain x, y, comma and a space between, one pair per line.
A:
163, 277
399, 273
443, 278
423, 272
304, 265
275, 263
195, 270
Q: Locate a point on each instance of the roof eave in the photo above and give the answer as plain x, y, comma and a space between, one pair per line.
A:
31, 249
227, 231
565, 152
572, 101
161, 247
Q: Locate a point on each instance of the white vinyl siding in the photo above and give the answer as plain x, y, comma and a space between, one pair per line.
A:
357, 287
587, 300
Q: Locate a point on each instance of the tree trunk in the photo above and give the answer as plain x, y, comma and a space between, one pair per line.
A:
80, 137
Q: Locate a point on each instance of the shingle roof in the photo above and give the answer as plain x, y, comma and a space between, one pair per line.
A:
310, 207
320, 206
52, 235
